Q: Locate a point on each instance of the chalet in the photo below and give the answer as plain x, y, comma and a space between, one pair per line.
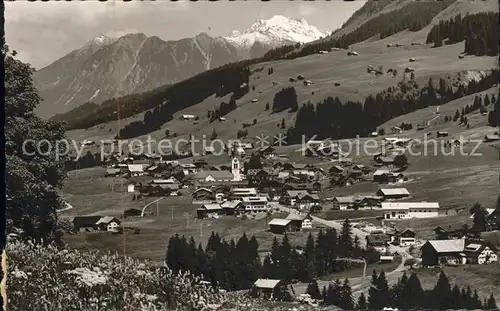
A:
316, 186
441, 134
267, 152
260, 175
480, 253
300, 221
135, 170
336, 169
306, 201
255, 204
264, 288
86, 223
132, 212
378, 241
352, 53
208, 150
393, 193
452, 231
343, 203
435, 252
213, 176
279, 226
162, 189
384, 176
356, 174
290, 196
113, 172
108, 223
232, 207
188, 117
405, 210
209, 210
188, 168
387, 161
370, 201
406, 238
491, 138
203, 194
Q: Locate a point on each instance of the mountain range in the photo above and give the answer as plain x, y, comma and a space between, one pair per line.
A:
109, 67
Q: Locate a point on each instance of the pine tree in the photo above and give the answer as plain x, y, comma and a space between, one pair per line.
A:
486, 100
383, 293
456, 301
267, 106
313, 290
480, 220
362, 302
442, 293
214, 135
345, 239
347, 302
491, 304
373, 293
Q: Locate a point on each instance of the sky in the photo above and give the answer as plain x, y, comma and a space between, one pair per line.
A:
42, 32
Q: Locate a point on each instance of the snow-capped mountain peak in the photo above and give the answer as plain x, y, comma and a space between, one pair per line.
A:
277, 30
101, 40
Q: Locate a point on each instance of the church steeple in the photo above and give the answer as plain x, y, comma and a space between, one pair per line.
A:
236, 169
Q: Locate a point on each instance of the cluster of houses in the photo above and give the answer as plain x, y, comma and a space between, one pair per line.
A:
96, 223
451, 246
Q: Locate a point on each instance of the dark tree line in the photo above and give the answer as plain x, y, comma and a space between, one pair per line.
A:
334, 119
222, 110
285, 99
406, 294
494, 115
234, 266
317, 257
480, 32
227, 265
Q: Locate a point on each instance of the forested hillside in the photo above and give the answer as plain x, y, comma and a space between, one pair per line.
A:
334, 119
480, 32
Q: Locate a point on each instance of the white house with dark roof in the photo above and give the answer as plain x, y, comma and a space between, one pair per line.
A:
344, 203
255, 204
457, 251
480, 253
406, 210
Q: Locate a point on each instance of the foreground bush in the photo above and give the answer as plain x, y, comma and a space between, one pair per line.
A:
46, 278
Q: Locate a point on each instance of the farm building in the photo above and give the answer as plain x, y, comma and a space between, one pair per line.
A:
443, 251
188, 117
441, 134
243, 192
203, 194
491, 138
209, 210
384, 176
378, 241
113, 172
405, 210
393, 193
279, 226
306, 201
264, 288
300, 221
406, 238
290, 196
86, 223
232, 207
132, 212
344, 203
